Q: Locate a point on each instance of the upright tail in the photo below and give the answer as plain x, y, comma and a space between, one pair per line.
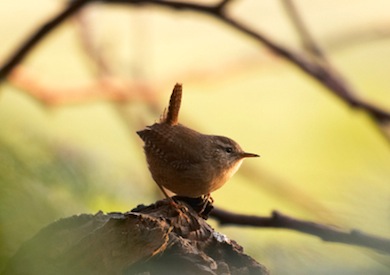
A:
172, 116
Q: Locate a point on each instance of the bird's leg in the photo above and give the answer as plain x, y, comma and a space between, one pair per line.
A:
172, 201
207, 200
164, 192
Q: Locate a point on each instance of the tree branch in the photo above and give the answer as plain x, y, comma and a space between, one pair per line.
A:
325, 232
323, 74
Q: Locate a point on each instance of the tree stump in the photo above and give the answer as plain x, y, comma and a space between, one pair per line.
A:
157, 239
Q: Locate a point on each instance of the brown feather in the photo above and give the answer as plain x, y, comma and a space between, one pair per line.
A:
172, 117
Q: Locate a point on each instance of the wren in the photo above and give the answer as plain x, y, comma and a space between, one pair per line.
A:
185, 161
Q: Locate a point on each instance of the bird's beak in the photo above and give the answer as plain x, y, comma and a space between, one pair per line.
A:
249, 155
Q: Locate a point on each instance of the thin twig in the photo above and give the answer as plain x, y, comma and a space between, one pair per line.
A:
319, 57
325, 232
308, 42
324, 75
87, 39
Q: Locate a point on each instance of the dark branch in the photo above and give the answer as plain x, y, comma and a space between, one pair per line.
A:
324, 74
336, 83
325, 232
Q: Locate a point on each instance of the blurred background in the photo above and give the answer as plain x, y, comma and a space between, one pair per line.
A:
70, 111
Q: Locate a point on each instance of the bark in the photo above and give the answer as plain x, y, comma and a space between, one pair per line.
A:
158, 239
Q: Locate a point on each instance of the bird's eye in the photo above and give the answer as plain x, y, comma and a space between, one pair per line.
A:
228, 150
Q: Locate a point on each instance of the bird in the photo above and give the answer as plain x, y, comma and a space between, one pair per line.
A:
187, 162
